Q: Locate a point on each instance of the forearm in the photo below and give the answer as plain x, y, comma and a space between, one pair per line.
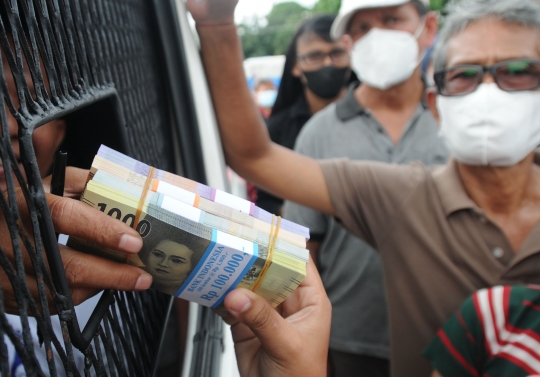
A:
247, 145
243, 132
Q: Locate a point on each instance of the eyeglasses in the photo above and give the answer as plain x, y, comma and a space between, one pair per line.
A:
510, 76
315, 58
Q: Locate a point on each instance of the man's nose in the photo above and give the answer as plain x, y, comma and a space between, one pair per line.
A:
327, 60
488, 78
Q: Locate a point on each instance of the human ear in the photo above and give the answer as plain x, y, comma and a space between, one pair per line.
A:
431, 27
347, 42
296, 71
431, 99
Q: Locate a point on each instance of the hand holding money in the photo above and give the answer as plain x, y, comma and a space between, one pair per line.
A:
199, 242
86, 274
290, 341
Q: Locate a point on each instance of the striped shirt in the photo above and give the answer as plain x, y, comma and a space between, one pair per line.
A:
496, 332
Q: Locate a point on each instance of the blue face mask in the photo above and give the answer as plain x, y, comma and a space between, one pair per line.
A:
266, 98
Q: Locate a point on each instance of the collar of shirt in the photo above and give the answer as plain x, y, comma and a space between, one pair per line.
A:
454, 198
348, 107
451, 190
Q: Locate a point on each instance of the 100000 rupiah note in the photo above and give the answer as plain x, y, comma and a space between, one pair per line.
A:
194, 261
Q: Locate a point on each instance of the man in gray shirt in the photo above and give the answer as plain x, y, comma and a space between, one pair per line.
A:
359, 127
350, 269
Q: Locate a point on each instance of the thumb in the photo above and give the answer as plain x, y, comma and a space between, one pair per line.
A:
264, 321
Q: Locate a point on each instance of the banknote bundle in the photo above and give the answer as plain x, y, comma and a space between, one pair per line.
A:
199, 242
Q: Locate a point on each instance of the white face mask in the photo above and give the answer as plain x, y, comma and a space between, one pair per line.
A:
384, 58
266, 98
491, 126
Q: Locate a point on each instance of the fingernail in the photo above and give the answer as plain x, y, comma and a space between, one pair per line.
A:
130, 244
143, 282
240, 304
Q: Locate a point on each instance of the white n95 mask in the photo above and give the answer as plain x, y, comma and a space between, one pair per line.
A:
490, 126
384, 58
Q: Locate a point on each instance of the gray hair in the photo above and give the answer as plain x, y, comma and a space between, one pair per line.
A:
463, 13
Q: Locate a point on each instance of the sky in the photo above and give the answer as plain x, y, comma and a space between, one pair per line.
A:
249, 8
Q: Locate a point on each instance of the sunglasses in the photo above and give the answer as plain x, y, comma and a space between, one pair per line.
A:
510, 76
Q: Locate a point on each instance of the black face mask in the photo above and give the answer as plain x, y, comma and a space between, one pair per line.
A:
327, 82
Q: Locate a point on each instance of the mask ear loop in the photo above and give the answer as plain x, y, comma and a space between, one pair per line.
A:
420, 28
416, 34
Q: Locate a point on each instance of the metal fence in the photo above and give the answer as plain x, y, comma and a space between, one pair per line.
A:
102, 66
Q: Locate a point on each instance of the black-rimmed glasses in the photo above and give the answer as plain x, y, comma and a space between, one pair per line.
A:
337, 55
510, 75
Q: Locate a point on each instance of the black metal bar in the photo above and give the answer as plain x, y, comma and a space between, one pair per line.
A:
64, 55
161, 343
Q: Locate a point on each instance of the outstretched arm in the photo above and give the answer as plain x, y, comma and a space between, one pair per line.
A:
247, 146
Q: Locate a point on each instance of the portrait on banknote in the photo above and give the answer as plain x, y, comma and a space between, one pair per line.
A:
169, 254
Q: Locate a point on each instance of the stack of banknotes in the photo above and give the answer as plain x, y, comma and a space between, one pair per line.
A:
199, 242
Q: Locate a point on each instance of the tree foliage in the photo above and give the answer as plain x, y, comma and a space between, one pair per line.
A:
272, 35
327, 6
438, 5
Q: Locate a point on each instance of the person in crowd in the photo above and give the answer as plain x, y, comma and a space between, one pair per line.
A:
496, 332
444, 232
351, 269
265, 94
46, 139
86, 274
316, 73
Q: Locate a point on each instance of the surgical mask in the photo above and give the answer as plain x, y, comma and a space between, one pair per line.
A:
266, 98
491, 126
384, 58
327, 82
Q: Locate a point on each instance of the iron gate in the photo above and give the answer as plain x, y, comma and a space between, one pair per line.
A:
104, 66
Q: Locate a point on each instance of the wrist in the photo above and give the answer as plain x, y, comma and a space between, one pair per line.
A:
216, 24
220, 21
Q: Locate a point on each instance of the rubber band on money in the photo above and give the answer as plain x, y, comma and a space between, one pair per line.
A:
142, 200
274, 230
155, 185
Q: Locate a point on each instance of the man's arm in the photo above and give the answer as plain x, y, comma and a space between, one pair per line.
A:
247, 145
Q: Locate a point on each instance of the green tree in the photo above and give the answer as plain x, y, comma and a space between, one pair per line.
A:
327, 6
438, 5
283, 21
254, 42
274, 37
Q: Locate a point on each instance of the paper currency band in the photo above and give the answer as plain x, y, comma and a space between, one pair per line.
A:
274, 230
142, 200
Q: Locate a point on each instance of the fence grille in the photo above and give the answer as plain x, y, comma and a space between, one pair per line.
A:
96, 64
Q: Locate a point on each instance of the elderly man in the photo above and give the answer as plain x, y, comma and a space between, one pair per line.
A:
442, 233
385, 119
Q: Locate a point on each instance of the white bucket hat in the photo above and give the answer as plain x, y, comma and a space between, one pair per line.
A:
350, 7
